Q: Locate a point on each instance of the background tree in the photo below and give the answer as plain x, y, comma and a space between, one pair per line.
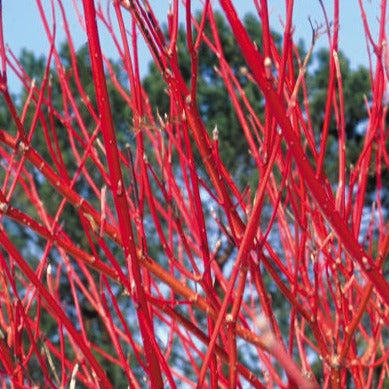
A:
214, 103
44, 141
216, 107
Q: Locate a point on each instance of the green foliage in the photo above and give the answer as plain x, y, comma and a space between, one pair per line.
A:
70, 219
213, 100
216, 107
356, 88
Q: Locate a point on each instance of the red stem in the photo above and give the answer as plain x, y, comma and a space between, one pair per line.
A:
117, 189
323, 199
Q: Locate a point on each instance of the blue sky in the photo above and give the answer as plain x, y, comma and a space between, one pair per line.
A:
23, 27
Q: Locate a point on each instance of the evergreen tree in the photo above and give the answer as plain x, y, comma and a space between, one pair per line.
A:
70, 218
216, 108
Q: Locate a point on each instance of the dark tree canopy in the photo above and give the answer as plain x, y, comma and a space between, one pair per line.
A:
216, 107
71, 220
213, 101
356, 87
